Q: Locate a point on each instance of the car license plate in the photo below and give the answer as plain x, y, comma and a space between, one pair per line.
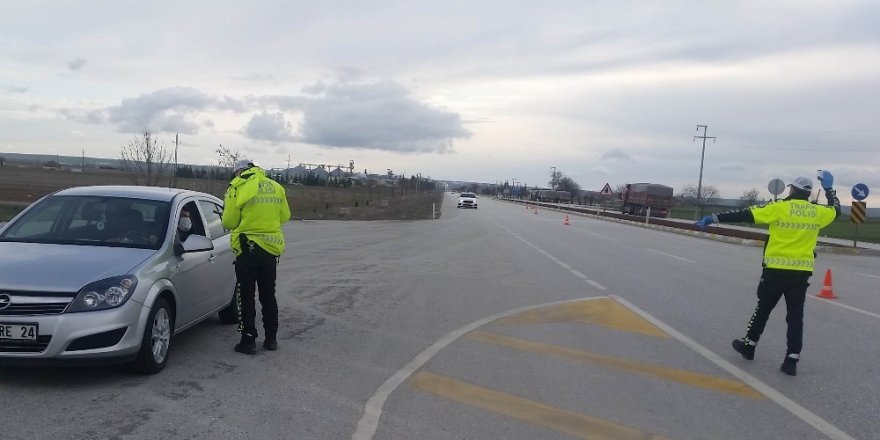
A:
18, 332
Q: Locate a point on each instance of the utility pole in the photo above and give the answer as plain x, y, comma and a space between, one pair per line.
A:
287, 171
173, 181
553, 178
698, 210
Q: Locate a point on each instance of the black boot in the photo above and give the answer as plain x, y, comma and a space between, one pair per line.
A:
248, 344
744, 347
270, 343
789, 365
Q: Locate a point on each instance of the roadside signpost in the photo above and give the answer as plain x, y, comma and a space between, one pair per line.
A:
776, 186
858, 212
860, 191
606, 194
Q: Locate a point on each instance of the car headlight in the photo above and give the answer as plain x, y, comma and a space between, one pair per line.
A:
104, 294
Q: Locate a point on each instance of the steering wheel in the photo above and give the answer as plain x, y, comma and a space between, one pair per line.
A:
137, 237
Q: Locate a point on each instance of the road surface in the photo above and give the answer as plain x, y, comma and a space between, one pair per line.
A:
488, 324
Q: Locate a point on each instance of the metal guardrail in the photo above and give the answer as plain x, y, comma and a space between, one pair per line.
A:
678, 224
824, 244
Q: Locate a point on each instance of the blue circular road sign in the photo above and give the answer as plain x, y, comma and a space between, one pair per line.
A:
860, 191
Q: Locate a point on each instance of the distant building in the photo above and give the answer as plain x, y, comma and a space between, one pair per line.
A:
298, 171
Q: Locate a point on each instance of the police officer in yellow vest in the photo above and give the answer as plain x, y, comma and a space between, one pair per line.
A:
255, 207
789, 255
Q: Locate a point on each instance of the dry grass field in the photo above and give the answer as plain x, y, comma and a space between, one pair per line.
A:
22, 186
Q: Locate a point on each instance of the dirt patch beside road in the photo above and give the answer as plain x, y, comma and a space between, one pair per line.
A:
22, 186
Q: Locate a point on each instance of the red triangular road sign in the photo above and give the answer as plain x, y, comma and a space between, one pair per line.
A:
606, 189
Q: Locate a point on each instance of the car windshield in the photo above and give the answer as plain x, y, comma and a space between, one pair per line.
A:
469, 195
93, 221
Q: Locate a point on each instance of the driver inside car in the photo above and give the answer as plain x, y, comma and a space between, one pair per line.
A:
184, 225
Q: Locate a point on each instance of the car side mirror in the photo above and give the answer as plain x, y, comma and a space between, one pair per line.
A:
193, 243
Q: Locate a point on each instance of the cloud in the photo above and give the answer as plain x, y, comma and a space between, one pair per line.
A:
280, 102
84, 116
231, 104
164, 110
732, 167
618, 155
272, 127
77, 64
254, 77
381, 115
170, 110
12, 89
601, 171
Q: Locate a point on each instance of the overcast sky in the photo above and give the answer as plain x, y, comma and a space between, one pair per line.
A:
463, 90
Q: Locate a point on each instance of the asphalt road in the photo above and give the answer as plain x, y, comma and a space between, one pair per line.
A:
493, 323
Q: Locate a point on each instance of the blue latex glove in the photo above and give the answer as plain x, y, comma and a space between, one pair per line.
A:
826, 179
706, 221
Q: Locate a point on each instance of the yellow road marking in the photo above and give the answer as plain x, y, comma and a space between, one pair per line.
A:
568, 422
605, 312
686, 377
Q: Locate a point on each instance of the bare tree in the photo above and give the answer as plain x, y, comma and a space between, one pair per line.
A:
619, 190
566, 183
689, 193
144, 160
228, 156
709, 192
554, 178
750, 197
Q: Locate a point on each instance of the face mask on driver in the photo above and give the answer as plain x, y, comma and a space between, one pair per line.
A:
185, 224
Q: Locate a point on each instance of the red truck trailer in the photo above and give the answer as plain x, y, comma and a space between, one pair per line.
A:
638, 197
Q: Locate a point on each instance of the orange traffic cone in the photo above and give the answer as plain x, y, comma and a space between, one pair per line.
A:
827, 292
566, 223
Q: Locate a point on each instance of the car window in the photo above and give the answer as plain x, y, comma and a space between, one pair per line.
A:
212, 215
197, 228
42, 218
92, 220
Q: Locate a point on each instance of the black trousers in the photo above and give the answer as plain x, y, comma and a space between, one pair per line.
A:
256, 268
776, 283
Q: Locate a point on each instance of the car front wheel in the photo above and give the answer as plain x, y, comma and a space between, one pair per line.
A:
156, 343
229, 315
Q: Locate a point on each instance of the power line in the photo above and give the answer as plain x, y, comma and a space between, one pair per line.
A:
802, 132
828, 149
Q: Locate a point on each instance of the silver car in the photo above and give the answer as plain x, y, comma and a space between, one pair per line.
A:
103, 274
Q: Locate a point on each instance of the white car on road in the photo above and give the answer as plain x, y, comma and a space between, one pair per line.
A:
467, 200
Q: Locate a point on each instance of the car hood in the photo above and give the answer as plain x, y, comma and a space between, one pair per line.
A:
63, 268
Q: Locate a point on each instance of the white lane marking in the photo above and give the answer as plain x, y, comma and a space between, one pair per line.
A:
579, 275
597, 235
800, 412
868, 275
369, 422
672, 256
552, 258
595, 284
832, 302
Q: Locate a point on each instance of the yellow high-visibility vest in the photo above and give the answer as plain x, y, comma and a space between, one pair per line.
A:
256, 206
794, 229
